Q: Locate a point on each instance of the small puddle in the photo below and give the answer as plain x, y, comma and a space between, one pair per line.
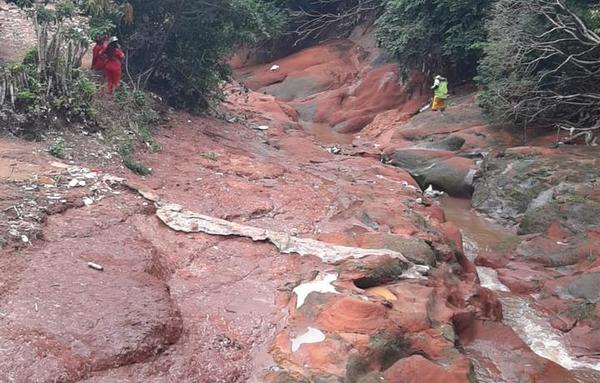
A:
325, 134
321, 284
313, 335
481, 234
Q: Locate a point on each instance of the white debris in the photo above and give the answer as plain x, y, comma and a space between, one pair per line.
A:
187, 221
262, 127
88, 201
274, 68
334, 150
321, 284
313, 335
24, 239
95, 266
419, 201
77, 182
432, 193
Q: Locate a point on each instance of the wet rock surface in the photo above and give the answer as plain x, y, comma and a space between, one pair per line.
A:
259, 252
195, 307
550, 196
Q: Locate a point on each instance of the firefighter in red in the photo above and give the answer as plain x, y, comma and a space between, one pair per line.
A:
112, 69
98, 60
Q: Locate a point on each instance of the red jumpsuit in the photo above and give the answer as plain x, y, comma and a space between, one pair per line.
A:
112, 69
99, 60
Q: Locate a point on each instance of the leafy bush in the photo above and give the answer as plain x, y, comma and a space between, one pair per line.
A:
58, 149
178, 48
444, 36
31, 57
24, 99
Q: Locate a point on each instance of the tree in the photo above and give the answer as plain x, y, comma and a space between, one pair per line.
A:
443, 36
179, 47
542, 64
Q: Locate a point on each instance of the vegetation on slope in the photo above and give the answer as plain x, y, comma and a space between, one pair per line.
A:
538, 61
542, 63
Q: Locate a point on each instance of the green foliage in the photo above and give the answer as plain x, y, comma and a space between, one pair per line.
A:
179, 48
127, 122
22, 3
435, 35
87, 88
65, 9
24, 99
58, 149
131, 163
31, 57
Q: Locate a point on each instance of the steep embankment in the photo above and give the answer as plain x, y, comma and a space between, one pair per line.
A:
255, 254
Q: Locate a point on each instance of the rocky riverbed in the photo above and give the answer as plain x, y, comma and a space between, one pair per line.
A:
260, 251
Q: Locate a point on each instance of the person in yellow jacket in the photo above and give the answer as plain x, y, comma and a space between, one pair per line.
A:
440, 93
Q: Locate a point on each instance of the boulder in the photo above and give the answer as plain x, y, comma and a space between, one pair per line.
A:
441, 169
539, 188
451, 143
353, 315
417, 369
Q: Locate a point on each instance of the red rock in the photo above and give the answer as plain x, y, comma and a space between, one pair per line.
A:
432, 342
314, 64
416, 369
585, 341
328, 356
411, 309
452, 232
496, 346
437, 215
557, 232
468, 267
486, 304
353, 315
492, 259
352, 108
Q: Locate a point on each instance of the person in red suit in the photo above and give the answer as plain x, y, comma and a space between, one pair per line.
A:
112, 69
98, 60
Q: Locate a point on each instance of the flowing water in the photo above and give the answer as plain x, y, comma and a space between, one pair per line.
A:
481, 234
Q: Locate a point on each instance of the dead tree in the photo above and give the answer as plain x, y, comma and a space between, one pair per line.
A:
320, 17
554, 77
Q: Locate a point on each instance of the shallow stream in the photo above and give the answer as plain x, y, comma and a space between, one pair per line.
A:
519, 312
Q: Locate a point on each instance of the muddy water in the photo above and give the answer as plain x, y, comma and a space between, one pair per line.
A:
481, 234
325, 134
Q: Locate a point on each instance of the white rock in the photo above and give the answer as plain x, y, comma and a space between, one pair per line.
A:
274, 68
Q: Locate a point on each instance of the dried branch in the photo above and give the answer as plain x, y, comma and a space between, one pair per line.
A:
312, 24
